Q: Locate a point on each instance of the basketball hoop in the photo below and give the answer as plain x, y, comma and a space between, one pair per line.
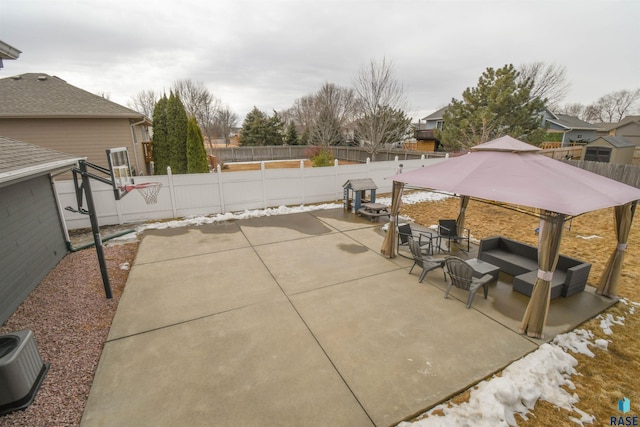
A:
149, 191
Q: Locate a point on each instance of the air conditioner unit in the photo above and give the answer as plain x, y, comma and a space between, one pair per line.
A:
21, 370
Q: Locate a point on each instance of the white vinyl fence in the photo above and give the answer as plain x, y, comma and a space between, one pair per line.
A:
188, 195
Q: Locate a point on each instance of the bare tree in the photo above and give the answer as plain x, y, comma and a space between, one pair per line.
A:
225, 121
199, 102
614, 106
144, 102
575, 109
334, 107
549, 82
381, 101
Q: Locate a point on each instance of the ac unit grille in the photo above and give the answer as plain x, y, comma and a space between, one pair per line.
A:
21, 370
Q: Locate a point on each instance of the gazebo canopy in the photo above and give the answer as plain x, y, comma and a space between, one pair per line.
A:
511, 171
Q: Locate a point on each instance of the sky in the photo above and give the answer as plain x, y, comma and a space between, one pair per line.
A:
268, 53
544, 374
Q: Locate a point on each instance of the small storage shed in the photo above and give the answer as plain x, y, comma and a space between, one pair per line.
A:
32, 232
355, 193
609, 149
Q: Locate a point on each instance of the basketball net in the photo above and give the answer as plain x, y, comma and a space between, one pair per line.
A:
149, 191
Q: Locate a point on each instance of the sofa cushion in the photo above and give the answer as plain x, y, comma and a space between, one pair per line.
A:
524, 283
509, 262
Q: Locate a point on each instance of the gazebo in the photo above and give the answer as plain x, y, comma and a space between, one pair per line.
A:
511, 171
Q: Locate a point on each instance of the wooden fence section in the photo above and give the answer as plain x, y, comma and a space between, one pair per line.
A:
351, 154
628, 174
563, 152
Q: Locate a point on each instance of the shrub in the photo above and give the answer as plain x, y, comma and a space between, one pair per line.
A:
320, 156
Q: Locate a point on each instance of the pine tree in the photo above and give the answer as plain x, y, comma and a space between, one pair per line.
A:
274, 130
291, 136
161, 154
501, 104
196, 153
253, 128
177, 134
260, 129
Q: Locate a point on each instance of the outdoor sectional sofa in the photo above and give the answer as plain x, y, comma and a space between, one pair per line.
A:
520, 260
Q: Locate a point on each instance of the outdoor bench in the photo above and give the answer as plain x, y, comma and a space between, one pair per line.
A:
520, 260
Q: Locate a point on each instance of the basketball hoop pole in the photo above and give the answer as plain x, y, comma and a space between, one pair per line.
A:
91, 211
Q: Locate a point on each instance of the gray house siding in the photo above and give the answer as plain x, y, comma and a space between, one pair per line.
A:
580, 135
32, 240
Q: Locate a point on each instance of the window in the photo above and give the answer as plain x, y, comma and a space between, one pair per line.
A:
598, 154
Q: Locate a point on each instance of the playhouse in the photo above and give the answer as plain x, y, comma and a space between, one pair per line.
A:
355, 193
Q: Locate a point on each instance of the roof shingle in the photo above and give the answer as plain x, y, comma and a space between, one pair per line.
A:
42, 95
19, 158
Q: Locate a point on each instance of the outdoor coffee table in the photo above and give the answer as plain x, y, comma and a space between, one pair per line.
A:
480, 268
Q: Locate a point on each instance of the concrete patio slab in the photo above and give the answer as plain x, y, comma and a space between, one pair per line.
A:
280, 228
304, 264
298, 320
178, 290
189, 241
398, 346
255, 366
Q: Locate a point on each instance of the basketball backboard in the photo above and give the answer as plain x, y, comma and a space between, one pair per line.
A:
120, 169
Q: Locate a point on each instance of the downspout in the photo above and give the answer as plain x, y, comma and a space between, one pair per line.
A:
134, 140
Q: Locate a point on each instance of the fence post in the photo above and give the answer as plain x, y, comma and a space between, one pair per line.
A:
264, 185
220, 188
172, 192
302, 179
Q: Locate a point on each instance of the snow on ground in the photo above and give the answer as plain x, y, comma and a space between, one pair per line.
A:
538, 375
494, 402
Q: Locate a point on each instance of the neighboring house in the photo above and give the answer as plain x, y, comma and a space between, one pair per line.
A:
628, 128
425, 134
47, 111
609, 149
33, 237
570, 129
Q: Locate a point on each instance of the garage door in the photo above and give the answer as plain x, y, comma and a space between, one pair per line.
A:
31, 240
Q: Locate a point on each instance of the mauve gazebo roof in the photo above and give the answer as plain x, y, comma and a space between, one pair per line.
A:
510, 171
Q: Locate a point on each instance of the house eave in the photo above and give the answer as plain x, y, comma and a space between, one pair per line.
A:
8, 52
21, 174
73, 116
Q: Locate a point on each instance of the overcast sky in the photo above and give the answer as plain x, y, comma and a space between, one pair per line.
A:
268, 53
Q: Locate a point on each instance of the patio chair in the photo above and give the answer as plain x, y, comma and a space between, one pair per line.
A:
461, 275
448, 229
406, 232
425, 262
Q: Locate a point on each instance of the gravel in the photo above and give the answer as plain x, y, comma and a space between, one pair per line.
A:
70, 318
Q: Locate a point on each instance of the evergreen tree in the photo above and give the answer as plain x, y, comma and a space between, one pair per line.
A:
161, 153
260, 129
305, 138
253, 128
196, 153
177, 134
291, 136
274, 130
501, 104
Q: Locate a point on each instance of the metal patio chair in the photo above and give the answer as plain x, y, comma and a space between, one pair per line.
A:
461, 275
425, 262
448, 229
